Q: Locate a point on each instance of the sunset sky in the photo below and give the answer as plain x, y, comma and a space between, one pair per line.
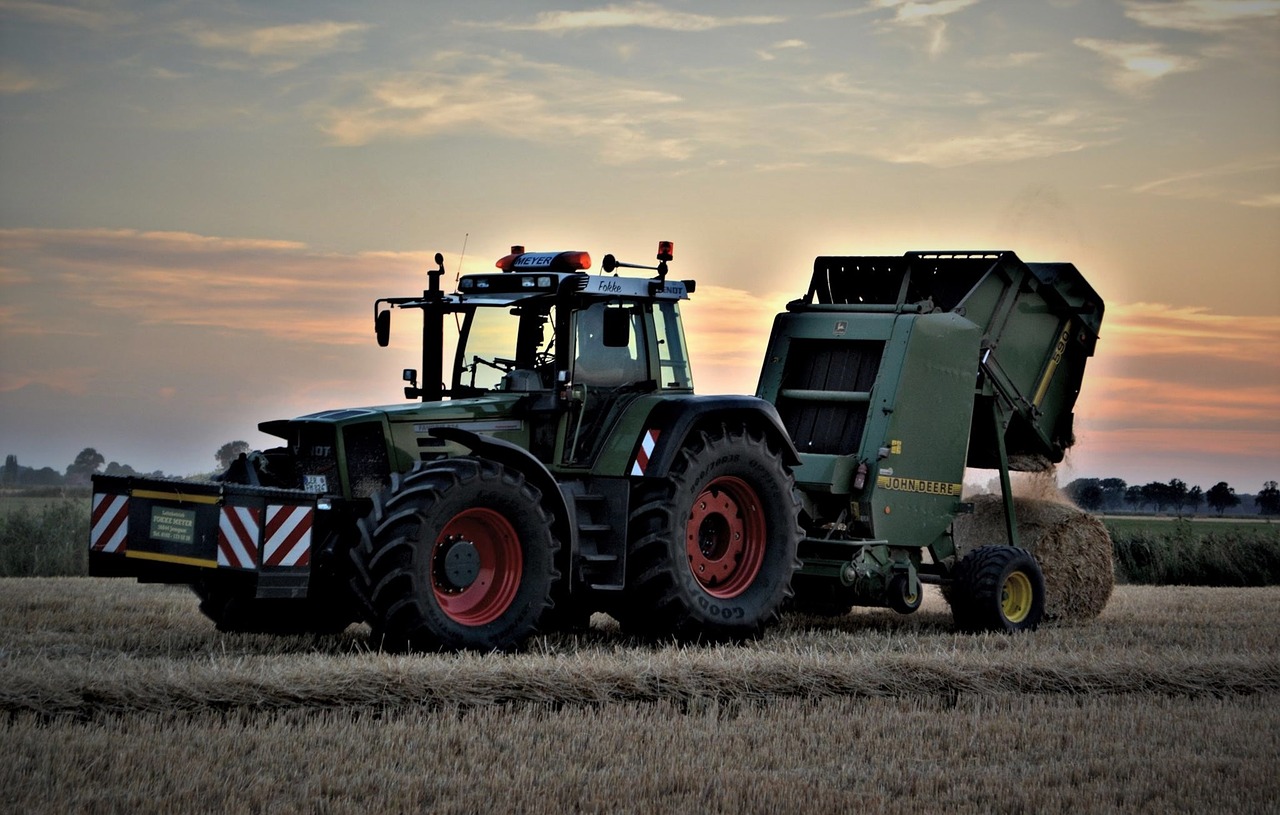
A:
199, 202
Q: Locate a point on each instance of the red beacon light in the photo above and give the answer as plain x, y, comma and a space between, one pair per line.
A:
521, 261
665, 250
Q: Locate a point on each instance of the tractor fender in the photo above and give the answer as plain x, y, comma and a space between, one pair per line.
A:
533, 470
677, 417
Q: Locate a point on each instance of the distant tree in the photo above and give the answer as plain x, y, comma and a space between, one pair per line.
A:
1177, 494
11, 470
1113, 490
43, 477
86, 464
229, 452
1133, 497
1268, 500
1090, 497
1156, 494
1221, 497
115, 468
1195, 497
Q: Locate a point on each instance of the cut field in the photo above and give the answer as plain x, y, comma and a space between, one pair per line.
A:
120, 697
1201, 524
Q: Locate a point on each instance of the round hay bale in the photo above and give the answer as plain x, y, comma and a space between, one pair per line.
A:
1072, 546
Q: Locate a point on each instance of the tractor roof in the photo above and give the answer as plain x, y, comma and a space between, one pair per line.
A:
508, 287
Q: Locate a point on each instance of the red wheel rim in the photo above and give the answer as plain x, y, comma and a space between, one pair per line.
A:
476, 566
725, 537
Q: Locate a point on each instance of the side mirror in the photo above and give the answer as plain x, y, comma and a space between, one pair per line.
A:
382, 327
617, 328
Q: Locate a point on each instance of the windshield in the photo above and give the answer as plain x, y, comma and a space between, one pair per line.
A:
507, 348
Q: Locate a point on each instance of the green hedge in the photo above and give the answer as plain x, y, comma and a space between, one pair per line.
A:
45, 541
48, 539
1195, 554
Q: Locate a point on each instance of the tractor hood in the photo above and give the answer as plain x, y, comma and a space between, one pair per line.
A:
455, 412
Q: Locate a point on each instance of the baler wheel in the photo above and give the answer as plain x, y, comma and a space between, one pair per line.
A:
713, 546
457, 554
901, 598
998, 588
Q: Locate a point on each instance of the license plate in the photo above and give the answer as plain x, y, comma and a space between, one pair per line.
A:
315, 483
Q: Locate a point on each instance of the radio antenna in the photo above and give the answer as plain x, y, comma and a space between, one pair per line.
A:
465, 237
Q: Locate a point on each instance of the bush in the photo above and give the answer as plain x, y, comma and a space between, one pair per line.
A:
1185, 555
51, 541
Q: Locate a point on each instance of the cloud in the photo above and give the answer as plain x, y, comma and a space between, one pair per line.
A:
771, 53
1186, 369
926, 15
633, 15
1016, 59
728, 330
67, 14
1268, 201
282, 47
795, 119
998, 135
17, 80
74, 279
67, 381
1195, 334
1137, 65
525, 100
1235, 182
1183, 392
1201, 16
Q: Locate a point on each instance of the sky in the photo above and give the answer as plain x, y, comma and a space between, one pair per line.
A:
199, 202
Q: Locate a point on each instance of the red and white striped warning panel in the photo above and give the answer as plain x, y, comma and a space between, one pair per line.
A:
109, 523
647, 443
288, 536
238, 531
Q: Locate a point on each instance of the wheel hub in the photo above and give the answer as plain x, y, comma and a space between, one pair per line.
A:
461, 563
725, 537
1016, 597
476, 566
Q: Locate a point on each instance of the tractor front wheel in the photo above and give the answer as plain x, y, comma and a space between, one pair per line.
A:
457, 554
714, 543
997, 588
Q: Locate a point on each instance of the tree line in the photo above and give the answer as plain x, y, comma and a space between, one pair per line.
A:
88, 463
1093, 494
1114, 494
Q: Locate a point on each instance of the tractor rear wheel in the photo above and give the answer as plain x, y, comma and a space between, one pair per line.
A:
713, 546
997, 588
457, 554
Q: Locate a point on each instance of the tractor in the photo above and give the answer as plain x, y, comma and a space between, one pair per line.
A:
561, 466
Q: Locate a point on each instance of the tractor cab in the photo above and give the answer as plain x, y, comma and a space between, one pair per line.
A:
543, 323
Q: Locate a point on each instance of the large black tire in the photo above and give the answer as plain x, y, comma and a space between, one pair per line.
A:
456, 554
997, 588
713, 545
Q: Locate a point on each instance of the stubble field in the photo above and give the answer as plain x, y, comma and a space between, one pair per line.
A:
120, 697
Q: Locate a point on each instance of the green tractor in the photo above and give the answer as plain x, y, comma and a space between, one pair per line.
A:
561, 466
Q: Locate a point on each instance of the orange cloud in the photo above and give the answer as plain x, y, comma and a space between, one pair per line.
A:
69, 281
70, 381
